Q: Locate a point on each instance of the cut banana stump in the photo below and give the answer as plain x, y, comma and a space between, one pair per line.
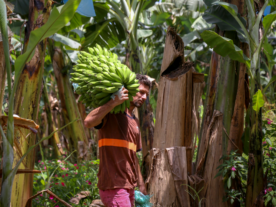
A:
99, 74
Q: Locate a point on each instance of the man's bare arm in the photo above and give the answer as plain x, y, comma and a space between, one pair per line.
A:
141, 184
96, 116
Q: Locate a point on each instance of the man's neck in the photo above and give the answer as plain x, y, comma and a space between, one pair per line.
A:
130, 109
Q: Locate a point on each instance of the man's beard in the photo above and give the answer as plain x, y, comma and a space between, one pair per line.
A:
137, 104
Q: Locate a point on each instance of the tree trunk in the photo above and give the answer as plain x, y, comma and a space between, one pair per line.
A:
69, 106
174, 109
147, 133
253, 131
255, 178
198, 87
168, 177
83, 115
54, 141
173, 127
208, 110
27, 101
2, 76
237, 122
227, 89
220, 98
213, 190
3, 70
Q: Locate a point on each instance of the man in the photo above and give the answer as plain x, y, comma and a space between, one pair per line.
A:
119, 140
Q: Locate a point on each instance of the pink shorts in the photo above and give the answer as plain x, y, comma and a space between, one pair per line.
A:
118, 197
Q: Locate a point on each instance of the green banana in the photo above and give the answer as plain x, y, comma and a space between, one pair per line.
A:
119, 72
101, 95
105, 52
116, 84
131, 77
96, 51
85, 54
99, 88
107, 76
97, 62
133, 86
123, 106
110, 64
125, 73
115, 56
106, 83
115, 77
99, 73
110, 89
95, 83
104, 100
99, 77
112, 69
97, 69
100, 49
105, 67
127, 103
91, 50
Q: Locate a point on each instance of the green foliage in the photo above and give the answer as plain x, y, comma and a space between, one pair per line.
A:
76, 21
272, 80
59, 17
234, 167
107, 33
268, 20
270, 196
224, 46
8, 138
21, 7
158, 18
210, 2
143, 33
258, 101
195, 195
269, 120
219, 15
193, 5
233, 195
66, 41
68, 180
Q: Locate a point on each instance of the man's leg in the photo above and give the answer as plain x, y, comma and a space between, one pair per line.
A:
116, 198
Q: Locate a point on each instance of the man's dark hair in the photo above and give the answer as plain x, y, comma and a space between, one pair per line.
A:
143, 79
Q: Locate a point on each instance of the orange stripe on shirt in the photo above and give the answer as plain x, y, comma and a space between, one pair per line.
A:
117, 143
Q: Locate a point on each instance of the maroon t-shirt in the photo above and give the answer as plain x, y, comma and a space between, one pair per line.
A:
119, 140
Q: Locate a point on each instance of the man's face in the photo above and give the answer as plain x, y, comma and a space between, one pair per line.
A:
141, 96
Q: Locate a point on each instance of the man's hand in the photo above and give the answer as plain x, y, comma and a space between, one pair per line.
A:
96, 116
117, 101
142, 189
140, 181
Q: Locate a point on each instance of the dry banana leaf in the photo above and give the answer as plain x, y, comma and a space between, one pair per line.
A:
21, 171
97, 203
20, 122
79, 196
29, 202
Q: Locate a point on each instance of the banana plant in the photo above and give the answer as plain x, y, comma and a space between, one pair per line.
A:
217, 14
122, 20
59, 18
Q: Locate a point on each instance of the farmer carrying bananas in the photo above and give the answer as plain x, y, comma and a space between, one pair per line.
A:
119, 140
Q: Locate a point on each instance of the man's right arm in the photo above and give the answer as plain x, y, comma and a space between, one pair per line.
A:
95, 117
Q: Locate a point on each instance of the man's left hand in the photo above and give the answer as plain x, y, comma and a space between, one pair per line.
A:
142, 189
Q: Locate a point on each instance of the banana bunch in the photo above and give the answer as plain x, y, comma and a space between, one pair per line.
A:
99, 74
